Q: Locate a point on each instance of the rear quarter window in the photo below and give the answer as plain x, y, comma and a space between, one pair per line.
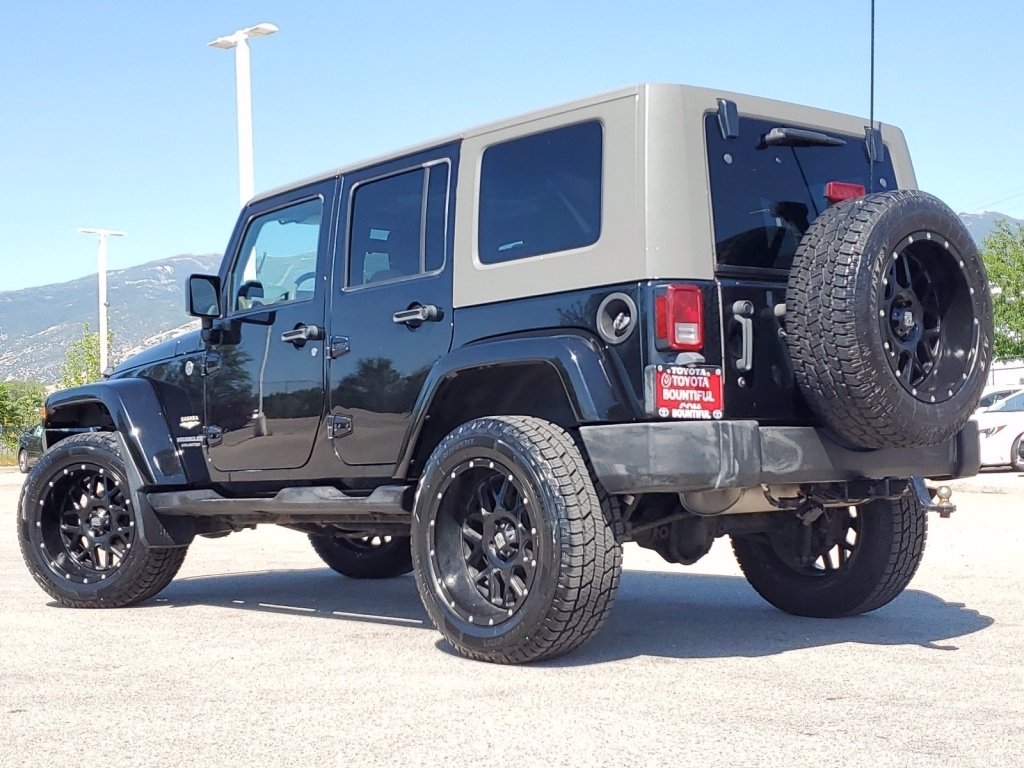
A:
541, 193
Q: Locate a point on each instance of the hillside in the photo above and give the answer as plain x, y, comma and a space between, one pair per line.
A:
981, 225
146, 302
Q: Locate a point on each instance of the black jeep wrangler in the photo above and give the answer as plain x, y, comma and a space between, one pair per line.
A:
661, 315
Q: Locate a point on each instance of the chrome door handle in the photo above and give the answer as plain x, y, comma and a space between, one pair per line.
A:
415, 316
302, 334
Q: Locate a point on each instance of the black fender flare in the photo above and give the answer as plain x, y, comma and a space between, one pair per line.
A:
591, 378
137, 414
145, 440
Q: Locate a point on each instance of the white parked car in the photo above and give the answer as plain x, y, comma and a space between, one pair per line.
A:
1001, 427
994, 395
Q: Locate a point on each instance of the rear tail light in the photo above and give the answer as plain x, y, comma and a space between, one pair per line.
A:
678, 318
837, 191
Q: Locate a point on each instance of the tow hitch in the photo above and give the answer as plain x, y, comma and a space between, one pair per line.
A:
933, 499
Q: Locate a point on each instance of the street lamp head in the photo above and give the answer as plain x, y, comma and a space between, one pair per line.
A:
100, 231
260, 30
228, 41
241, 35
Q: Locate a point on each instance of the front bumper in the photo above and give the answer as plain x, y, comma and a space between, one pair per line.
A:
996, 449
670, 457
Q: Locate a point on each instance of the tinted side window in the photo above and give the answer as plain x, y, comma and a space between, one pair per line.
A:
436, 236
1015, 403
277, 261
398, 226
541, 194
987, 400
765, 197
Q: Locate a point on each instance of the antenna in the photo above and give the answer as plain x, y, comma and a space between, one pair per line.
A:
871, 98
873, 139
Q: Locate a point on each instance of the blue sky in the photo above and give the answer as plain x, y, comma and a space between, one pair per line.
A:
116, 114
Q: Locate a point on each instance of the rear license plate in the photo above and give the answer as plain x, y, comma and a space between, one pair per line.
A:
686, 393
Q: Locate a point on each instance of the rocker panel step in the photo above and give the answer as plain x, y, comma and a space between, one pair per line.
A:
386, 503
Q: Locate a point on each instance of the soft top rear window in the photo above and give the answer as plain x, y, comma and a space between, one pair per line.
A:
764, 196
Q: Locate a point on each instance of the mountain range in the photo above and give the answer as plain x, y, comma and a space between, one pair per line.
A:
147, 304
983, 224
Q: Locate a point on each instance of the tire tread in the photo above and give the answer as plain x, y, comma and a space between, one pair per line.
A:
863, 589
590, 561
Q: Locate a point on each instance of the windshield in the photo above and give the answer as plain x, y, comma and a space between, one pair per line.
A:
765, 194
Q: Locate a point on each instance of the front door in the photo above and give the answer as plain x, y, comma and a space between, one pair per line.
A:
391, 316
265, 376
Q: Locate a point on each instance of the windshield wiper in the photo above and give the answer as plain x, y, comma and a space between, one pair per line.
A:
797, 137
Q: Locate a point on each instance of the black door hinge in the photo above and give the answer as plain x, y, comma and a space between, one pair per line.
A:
338, 425
211, 363
338, 346
214, 435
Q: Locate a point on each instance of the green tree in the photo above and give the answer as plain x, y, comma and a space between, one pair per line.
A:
82, 359
1003, 252
19, 408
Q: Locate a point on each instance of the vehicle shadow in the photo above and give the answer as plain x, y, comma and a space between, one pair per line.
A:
317, 592
675, 615
700, 616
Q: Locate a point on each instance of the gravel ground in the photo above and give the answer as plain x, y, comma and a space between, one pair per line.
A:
258, 655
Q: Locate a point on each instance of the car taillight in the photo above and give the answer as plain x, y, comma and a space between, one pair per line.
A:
837, 191
678, 318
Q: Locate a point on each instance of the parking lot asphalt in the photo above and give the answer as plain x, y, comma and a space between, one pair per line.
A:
258, 655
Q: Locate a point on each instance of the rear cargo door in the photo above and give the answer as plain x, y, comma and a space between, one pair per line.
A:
765, 194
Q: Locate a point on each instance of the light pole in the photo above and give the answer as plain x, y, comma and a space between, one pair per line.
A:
239, 40
101, 265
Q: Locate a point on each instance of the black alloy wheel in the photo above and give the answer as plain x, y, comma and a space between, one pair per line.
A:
364, 557
78, 528
926, 317
86, 523
484, 540
821, 549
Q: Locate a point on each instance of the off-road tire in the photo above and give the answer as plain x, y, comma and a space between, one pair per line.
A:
886, 556
371, 557
142, 572
844, 324
23, 461
568, 537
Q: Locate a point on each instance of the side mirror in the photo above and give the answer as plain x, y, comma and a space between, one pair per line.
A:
204, 296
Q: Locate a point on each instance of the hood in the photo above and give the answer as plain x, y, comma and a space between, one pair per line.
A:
165, 350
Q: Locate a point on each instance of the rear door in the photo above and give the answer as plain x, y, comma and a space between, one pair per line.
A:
391, 310
764, 197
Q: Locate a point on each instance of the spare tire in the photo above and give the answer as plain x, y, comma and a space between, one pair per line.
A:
889, 320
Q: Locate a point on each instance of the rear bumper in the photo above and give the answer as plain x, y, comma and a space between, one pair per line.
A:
693, 456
